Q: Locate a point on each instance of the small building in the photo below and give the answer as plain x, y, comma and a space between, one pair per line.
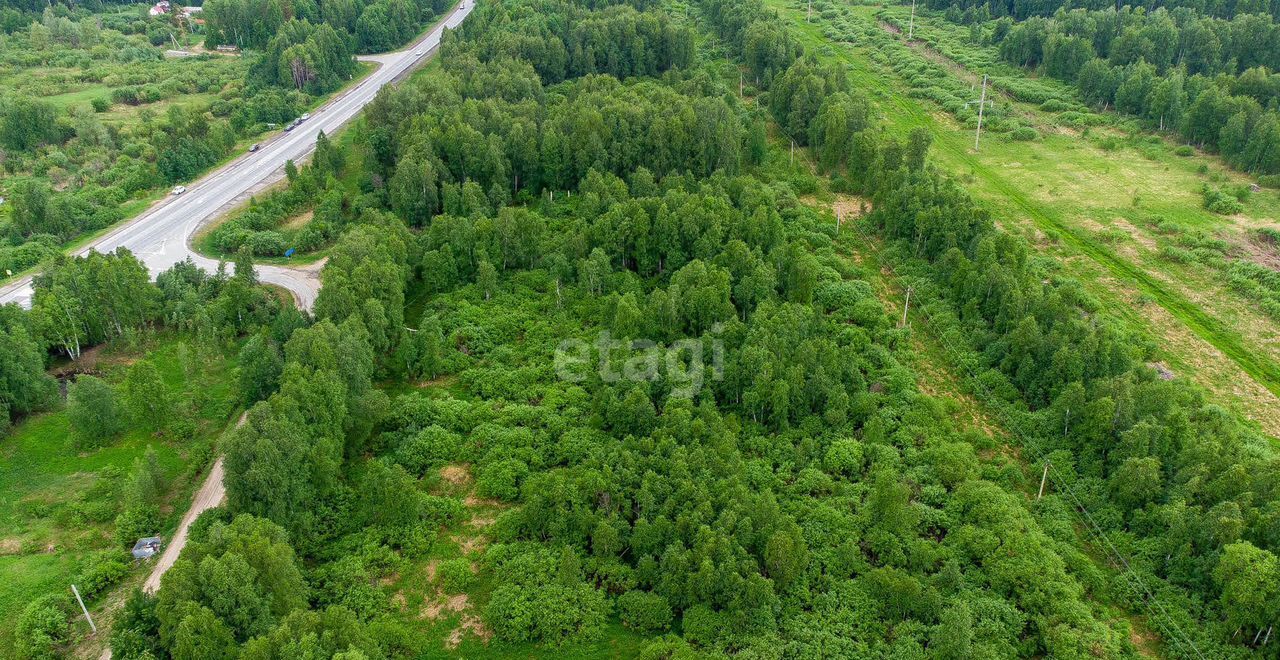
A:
160, 8
146, 547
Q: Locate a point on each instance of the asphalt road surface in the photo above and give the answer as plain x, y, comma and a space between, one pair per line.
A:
160, 237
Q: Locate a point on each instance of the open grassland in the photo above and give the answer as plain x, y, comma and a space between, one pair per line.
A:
1120, 209
58, 504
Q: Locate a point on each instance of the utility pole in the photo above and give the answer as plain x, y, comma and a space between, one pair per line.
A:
810, 14
982, 104
837, 222
911, 28
792, 162
739, 83
905, 306
84, 609
1044, 477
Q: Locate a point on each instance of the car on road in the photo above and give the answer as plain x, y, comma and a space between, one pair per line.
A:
178, 190
291, 125
254, 147
305, 116
417, 53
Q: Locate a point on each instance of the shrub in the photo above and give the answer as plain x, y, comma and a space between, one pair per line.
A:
1055, 105
1185, 151
455, 575
100, 571
1177, 254
642, 610
93, 412
1220, 202
431, 447
135, 522
1024, 134
552, 613
101, 104
41, 627
502, 479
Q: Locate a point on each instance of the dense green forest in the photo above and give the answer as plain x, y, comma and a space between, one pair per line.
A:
577, 267
1209, 79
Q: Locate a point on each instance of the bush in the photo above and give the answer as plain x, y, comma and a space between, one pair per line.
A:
101, 104
42, 627
135, 522
1024, 134
100, 571
1220, 202
93, 412
552, 613
1177, 255
642, 610
1055, 105
431, 447
455, 575
1185, 151
502, 479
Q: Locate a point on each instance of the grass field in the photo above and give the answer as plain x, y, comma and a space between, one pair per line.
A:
58, 505
1094, 199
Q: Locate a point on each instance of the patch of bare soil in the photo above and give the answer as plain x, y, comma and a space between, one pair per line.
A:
1141, 237
471, 545
457, 478
481, 522
1259, 251
456, 475
848, 207
299, 220
473, 502
439, 381
10, 546
469, 624
92, 361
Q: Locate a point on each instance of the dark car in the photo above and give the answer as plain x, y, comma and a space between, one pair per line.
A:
254, 147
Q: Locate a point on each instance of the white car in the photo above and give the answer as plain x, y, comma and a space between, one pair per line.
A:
417, 53
305, 116
178, 190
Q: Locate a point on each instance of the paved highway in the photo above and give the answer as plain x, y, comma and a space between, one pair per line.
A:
160, 237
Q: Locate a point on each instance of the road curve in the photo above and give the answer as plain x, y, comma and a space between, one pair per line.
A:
161, 236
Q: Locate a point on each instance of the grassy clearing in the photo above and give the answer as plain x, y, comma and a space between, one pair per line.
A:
58, 505
1057, 186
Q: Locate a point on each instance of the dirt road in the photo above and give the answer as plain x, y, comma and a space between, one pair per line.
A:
211, 494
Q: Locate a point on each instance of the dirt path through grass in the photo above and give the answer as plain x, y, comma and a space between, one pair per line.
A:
211, 494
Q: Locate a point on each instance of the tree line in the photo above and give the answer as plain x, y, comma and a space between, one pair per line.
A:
1210, 81
1023, 9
